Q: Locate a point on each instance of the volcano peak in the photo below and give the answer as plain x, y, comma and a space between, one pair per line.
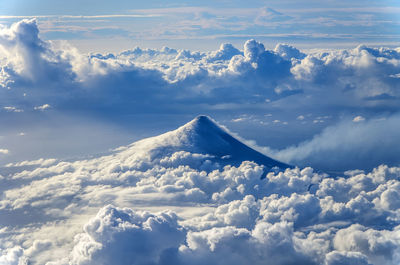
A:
203, 135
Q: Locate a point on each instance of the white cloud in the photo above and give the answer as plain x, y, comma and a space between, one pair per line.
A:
363, 143
4, 151
338, 258
12, 256
378, 246
39, 162
120, 235
358, 119
80, 17
42, 107
238, 119
309, 216
12, 109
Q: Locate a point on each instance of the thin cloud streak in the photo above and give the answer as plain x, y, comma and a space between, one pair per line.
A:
83, 16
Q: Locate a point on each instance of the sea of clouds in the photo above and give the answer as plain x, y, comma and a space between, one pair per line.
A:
338, 109
146, 204
152, 202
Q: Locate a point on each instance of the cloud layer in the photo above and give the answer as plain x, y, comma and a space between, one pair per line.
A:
115, 25
158, 201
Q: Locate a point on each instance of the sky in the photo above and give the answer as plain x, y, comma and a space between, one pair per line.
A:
203, 25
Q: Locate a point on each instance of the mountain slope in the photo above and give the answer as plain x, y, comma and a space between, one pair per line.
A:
203, 136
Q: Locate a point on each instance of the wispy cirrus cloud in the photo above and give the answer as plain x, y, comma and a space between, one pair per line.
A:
308, 24
80, 16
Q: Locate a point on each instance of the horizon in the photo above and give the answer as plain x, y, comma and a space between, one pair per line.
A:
120, 25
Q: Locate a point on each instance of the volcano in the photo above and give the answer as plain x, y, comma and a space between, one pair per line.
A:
203, 135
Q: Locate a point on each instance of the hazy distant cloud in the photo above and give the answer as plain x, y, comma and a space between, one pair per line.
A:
42, 107
12, 109
40, 162
80, 17
343, 22
4, 151
358, 119
373, 139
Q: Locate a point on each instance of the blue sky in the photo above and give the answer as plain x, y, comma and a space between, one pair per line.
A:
116, 25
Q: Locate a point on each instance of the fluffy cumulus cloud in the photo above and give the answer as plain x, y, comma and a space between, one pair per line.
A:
367, 75
146, 237
165, 200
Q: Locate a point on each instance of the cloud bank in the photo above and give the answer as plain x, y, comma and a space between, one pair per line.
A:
158, 201
354, 140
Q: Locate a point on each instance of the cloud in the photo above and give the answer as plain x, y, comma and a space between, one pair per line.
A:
338, 258
12, 109
218, 209
39, 162
79, 17
264, 242
221, 206
42, 107
13, 256
358, 119
226, 52
121, 236
379, 246
220, 22
4, 151
223, 211
348, 144
29, 58
268, 15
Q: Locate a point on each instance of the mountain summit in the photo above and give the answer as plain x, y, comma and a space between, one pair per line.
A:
203, 135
